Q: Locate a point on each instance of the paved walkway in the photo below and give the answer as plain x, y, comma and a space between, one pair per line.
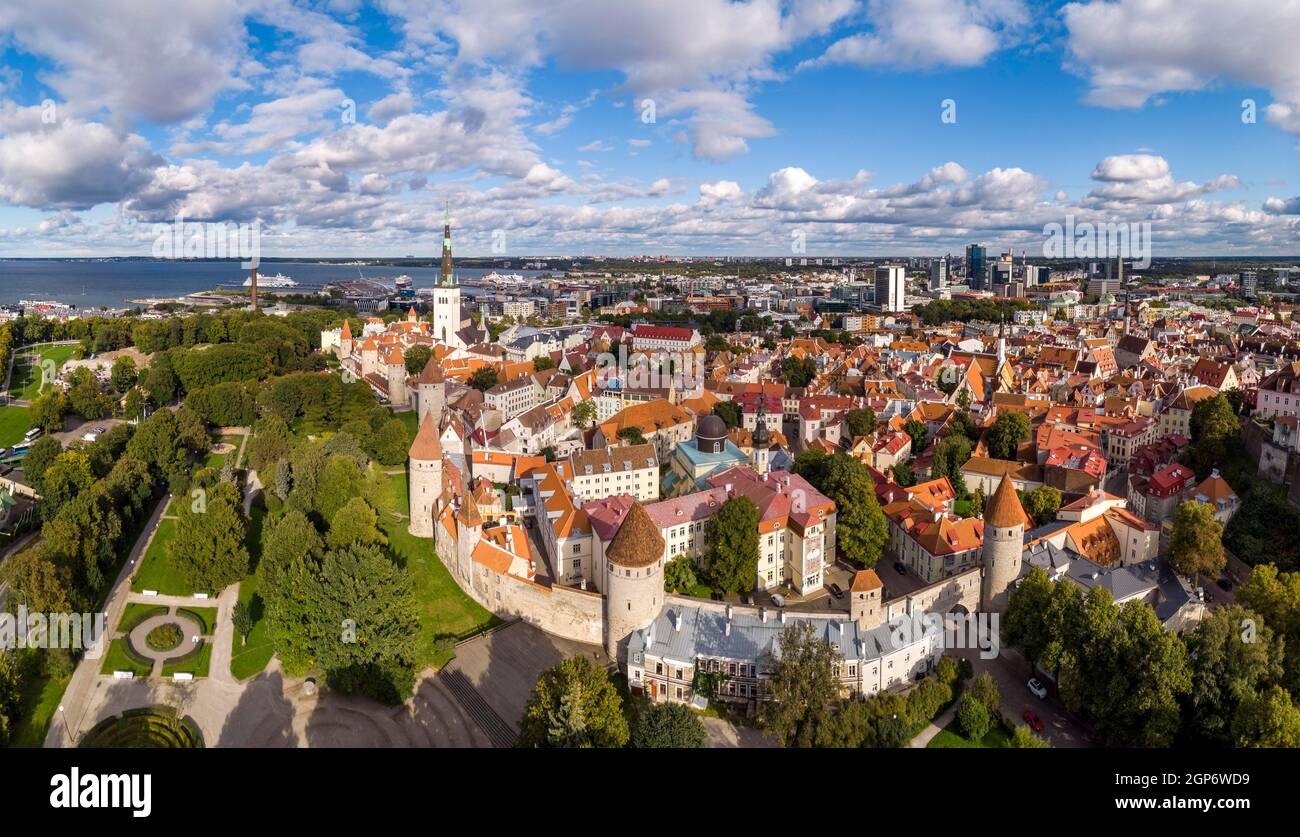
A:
191, 633
925, 736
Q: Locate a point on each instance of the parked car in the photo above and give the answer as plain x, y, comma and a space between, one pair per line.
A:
778, 600
900, 567
1031, 718
836, 591
1037, 688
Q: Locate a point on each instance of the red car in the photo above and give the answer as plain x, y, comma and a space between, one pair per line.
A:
1031, 718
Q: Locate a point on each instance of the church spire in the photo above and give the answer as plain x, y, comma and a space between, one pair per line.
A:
447, 280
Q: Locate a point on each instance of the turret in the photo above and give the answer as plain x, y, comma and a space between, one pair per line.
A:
634, 581
425, 479
1004, 533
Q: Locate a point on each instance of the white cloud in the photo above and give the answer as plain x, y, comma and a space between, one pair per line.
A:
158, 59
69, 164
928, 33
1133, 50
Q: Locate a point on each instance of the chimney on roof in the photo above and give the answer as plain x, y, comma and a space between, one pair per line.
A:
762, 614
781, 614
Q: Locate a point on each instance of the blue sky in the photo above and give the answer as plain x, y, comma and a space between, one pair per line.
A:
821, 117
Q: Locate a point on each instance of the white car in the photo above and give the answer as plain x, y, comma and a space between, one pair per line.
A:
778, 600
1037, 688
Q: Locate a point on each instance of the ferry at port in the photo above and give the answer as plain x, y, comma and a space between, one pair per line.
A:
279, 280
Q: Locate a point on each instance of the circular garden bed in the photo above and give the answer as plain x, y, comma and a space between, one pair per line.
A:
165, 637
150, 727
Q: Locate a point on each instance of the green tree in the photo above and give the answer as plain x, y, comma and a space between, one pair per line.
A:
1023, 738
1041, 504
861, 531
241, 618
392, 443
10, 695
291, 554
973, 717
731, 544
903, 475
574, 704
1234, 657
668, 725
1214, 426
632, 435
1275, 596
1006, 434
1196, 541
802, 686
50, 410
584, 413
484, 378
416, 358
124, 373
860, 422
920, 437
985, 689
543, 362
39, 458
340, 481
1270, 719
66, 478
679, 575
210, 549
729, 412
798, 372
86, 397
1025, 624
355, 523
365, 623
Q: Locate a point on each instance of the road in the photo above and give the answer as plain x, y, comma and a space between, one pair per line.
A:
1012, 671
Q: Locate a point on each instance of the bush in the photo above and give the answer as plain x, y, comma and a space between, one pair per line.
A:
929, 696
164, 637
668, 725
947, 671
973, 717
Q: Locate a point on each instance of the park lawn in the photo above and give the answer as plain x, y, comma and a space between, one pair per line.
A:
248, 658
446, 613
951, 738
156, 571
412, 422
137, 612
14, 422
119, 659
39, 701
196, 665
205, 616
26, 382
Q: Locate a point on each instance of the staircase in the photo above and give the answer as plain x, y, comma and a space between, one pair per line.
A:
500, 733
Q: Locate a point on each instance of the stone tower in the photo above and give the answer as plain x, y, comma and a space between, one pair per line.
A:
469, 531
345, 340
865, 605
430, 392
1004, 532
395, 373
426, 478
635, 580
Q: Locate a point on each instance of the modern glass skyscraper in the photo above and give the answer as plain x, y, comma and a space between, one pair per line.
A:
976, 265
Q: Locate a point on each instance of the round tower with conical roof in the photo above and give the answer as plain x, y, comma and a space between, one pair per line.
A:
1004, 534
634, 582
425, 478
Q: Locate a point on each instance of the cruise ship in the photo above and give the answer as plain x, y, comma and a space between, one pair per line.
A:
279, 280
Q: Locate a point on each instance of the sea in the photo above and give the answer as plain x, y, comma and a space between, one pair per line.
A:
108, 283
